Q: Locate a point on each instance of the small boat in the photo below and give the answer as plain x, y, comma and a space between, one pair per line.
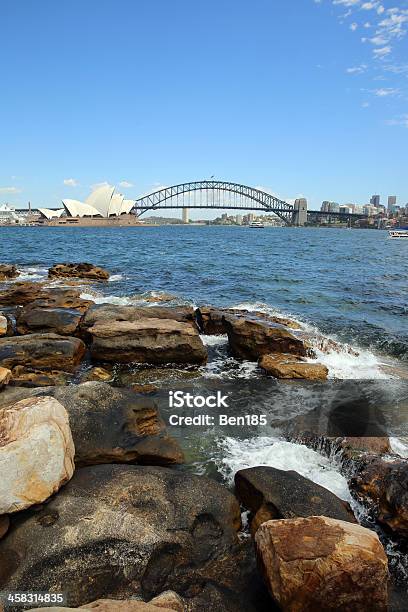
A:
256, 224
400, 232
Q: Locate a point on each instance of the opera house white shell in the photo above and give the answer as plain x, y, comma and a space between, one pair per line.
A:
48, 213
102, 202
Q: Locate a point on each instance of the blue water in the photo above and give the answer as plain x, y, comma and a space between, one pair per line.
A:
352, 284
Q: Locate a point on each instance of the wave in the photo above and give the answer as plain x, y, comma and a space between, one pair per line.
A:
274, 452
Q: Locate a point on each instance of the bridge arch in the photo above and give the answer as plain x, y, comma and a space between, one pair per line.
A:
259, 200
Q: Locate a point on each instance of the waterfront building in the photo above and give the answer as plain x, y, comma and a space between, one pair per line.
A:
370, 210
300, 216
345, 208
102, 202
9, 216
375, 200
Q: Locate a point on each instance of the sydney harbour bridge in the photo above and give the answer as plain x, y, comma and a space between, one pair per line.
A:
207, 194
226, 195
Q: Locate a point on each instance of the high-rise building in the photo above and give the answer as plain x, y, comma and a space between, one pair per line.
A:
300, 216
392, 200
375, 200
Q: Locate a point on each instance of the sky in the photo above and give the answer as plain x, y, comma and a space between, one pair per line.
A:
299, 97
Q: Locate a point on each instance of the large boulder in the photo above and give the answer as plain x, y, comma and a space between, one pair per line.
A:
63, 321
110, 425
249, 339
122, 531
100, 314
270, 493
36, 452
383, 484
42, 351
78, 270
290, 366
153, 341
319, 563
8, 271
35, 294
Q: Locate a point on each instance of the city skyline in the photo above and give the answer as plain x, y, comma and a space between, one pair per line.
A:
313, 110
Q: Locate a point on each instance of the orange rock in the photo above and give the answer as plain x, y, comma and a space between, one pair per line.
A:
288, 366
319, 563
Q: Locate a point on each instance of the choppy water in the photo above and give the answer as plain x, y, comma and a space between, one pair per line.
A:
352, 284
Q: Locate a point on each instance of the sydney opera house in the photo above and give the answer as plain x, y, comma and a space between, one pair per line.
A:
103, 206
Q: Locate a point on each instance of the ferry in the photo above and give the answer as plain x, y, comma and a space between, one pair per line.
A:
256, 224
400, 232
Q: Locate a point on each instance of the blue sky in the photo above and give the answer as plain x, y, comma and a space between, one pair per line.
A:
300, 97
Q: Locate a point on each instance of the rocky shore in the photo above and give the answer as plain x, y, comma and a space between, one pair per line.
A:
93, 502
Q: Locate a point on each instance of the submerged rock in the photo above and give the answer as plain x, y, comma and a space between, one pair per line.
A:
384, 483
249, 339
155, 341
111, 424
288, 366
78, 270
319, 563
8, 271
36, 452
42, 351
122, 531
62, 321
31, 377
270, 493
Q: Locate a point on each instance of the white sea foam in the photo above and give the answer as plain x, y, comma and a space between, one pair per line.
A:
106, 299
214, 340
240, 454
115, 277
345, 365
31, 273
343, 361
399, 447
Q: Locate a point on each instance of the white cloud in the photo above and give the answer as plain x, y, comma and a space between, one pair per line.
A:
368, 6
347, 2
365, 105
125, 184
10, 190
385, 91
357, 69
378, 40
71, 182
382, 51
354, 26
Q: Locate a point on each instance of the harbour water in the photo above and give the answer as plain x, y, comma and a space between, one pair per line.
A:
349, 284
